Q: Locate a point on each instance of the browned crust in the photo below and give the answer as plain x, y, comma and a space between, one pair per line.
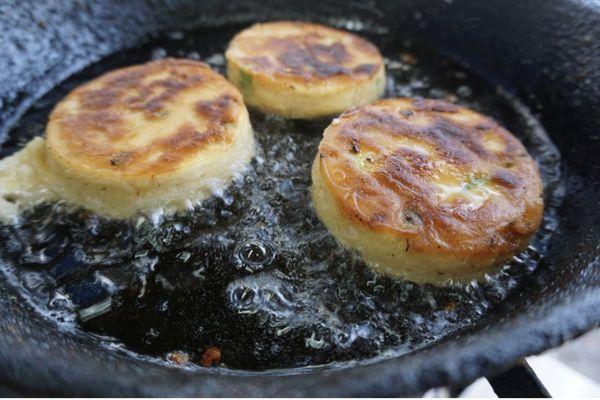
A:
95, 132
304, 57
397, 194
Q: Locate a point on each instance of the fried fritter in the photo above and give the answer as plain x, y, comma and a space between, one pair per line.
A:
426, 190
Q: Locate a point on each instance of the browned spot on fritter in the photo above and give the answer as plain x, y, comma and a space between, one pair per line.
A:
218, 110
307, 60
153, 98
260, 63
309, 54
435, 106
506, 178
187, 140
412, 144
96, 126
405, 160
120, 157
84, 126
368, 69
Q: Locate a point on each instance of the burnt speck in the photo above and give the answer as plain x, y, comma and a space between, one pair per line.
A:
408, 58
211, 357
178, 357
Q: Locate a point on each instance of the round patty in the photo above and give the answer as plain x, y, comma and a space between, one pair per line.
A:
426, 190
303, 70
164, 133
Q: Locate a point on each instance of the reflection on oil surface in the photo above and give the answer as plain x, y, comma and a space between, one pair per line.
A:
252, 272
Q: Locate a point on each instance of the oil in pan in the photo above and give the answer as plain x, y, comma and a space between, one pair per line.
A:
251, 280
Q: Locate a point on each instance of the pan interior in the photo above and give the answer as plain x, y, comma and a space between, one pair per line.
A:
252, 271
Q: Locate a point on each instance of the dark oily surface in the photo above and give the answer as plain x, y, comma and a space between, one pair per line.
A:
542, 317
252, 271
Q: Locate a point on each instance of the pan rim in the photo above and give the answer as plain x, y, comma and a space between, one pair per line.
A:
19, 351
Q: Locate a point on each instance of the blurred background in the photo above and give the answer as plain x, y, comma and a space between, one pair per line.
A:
571, 370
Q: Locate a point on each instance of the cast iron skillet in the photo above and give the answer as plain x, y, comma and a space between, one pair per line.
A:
547, 52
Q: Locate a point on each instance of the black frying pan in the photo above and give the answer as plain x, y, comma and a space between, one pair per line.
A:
545, 52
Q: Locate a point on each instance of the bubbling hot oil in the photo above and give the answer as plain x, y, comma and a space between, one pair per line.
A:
251, 271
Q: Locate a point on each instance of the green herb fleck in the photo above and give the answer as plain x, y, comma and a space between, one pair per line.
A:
245, 82
476, 181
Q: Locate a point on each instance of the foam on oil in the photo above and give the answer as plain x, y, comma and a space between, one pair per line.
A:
252, 271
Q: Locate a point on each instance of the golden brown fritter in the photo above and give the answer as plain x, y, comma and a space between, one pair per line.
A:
445, 191
167, 133
304, 70
144, 120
